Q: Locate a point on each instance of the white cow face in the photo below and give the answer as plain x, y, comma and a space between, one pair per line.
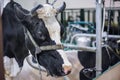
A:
46, 11
57, 62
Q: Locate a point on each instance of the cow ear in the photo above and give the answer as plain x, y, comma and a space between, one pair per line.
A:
33, 11
62, 8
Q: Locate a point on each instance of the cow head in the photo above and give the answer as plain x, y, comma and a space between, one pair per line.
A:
46, 30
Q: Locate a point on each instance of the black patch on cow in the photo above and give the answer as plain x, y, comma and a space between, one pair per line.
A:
13, 35
51, 60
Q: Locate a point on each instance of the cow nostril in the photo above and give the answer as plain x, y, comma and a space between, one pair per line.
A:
68, 72
67, 69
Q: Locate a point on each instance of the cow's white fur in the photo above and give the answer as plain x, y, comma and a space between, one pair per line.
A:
47, 13
11, 67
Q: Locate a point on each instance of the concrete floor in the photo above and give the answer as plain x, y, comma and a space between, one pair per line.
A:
112, 74
28, 73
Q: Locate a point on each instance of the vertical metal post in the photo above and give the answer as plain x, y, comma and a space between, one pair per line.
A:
47, 1
82, 15
99, 36
93, 16
88, 15
1, 46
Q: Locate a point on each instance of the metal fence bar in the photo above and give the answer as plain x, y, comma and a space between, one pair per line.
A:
2, 77
94, 35
83, 48
99, 36
90, 13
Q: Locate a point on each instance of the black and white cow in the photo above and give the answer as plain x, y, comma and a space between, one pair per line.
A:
45, 30
110, 56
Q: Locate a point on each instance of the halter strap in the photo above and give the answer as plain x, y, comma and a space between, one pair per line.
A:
42, 48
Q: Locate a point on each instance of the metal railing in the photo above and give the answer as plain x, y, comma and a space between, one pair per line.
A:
88, 15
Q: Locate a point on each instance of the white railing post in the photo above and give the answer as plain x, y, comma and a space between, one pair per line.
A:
99, 36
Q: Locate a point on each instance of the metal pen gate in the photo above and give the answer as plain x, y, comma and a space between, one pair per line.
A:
96, 15
88, 15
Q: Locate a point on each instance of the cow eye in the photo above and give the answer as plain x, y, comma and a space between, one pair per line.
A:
42, 37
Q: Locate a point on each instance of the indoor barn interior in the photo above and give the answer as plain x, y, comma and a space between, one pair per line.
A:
59, 39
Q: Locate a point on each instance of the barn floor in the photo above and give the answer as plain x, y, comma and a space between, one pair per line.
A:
28, 73
112, 74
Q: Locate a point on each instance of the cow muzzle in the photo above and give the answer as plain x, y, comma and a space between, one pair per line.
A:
67, 69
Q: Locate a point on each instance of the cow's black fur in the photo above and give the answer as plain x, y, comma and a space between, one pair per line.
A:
15, 22
87, 59
13, 35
